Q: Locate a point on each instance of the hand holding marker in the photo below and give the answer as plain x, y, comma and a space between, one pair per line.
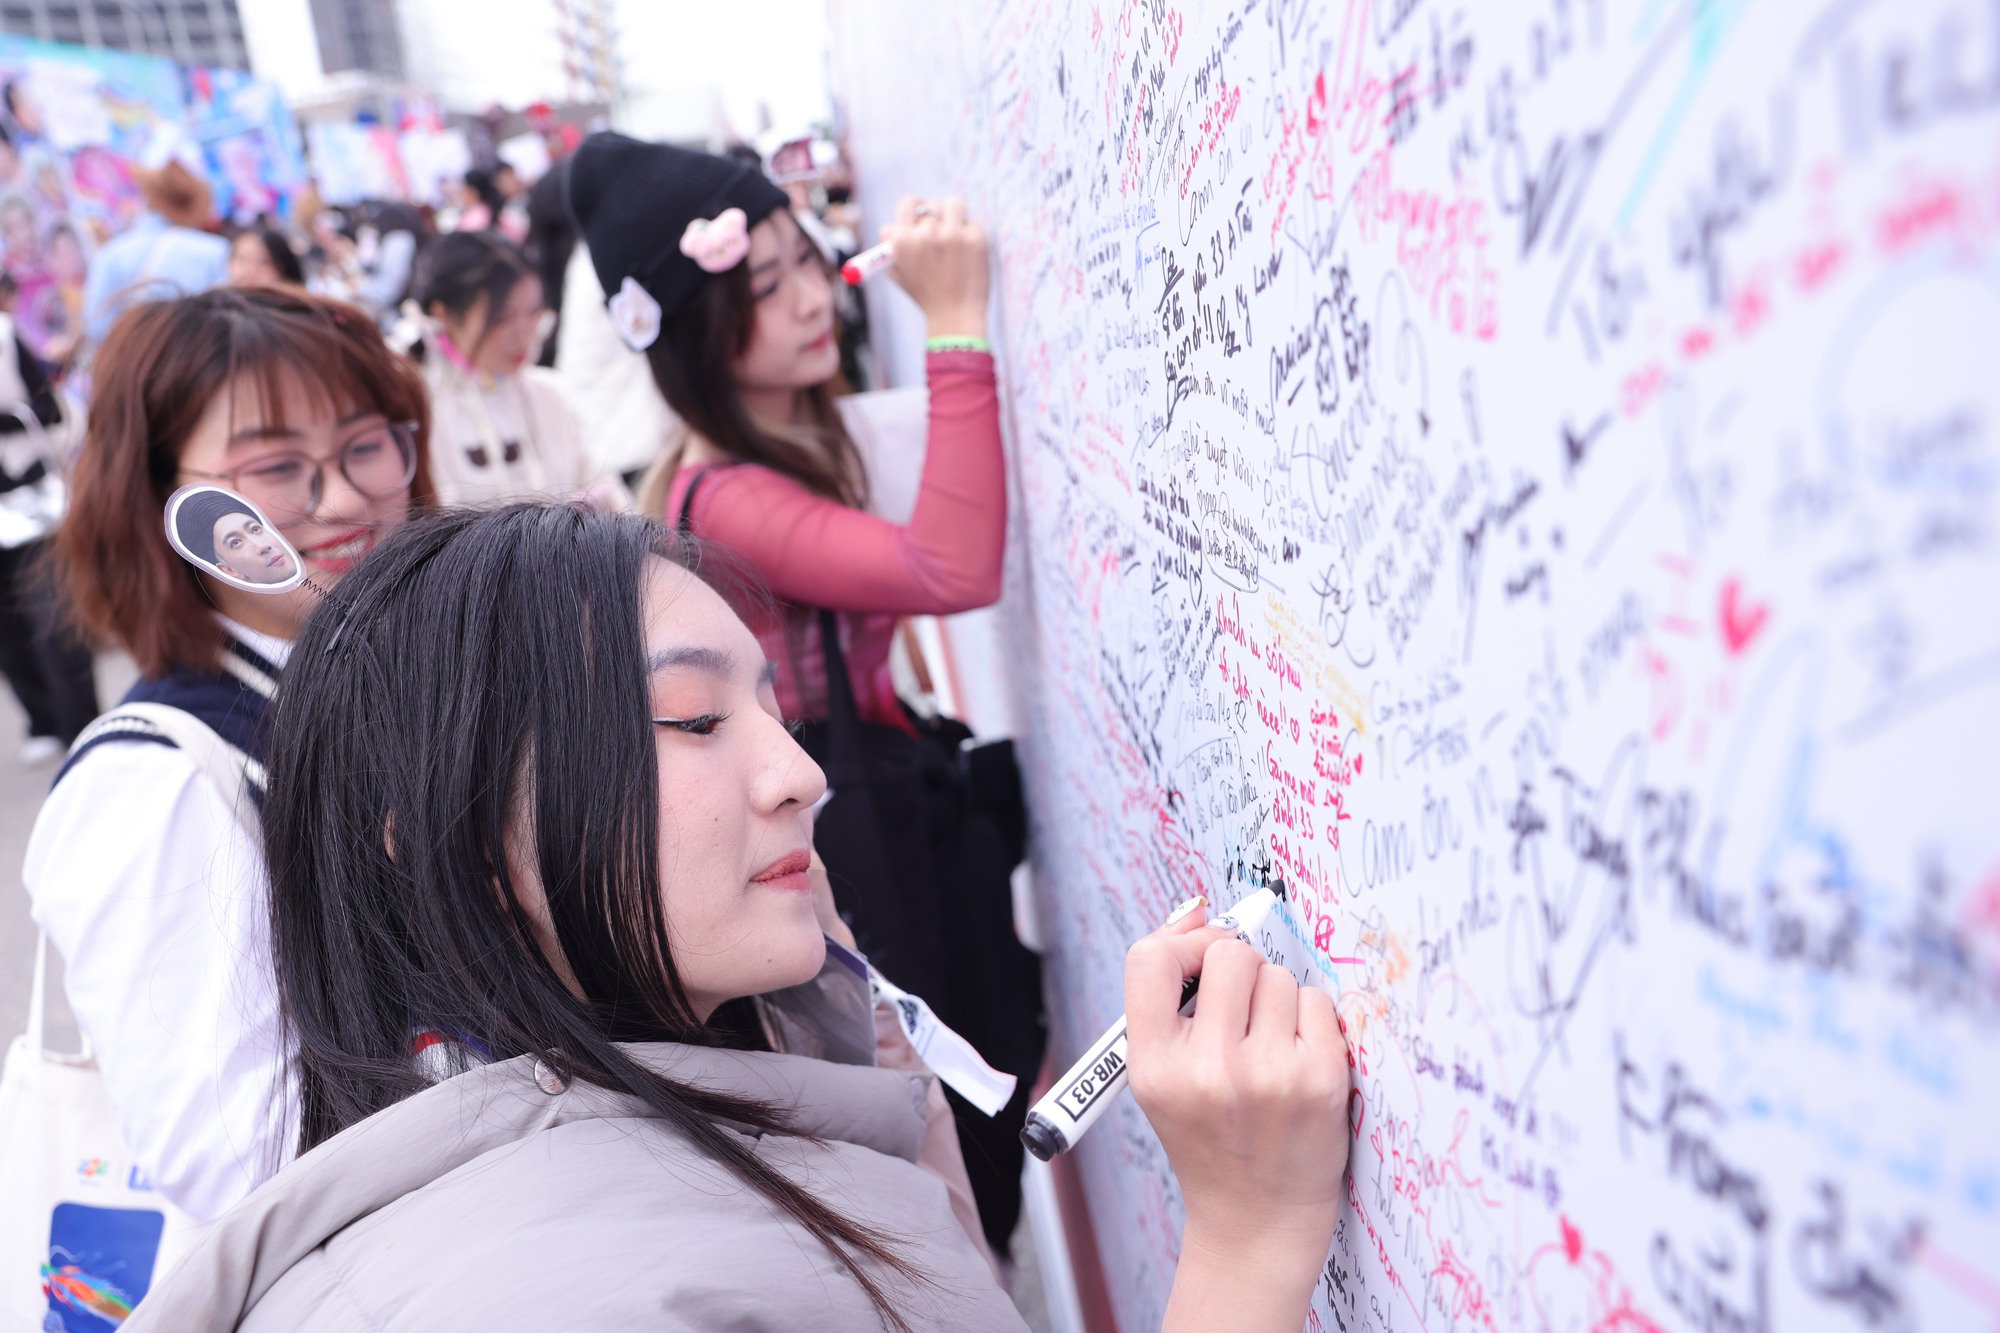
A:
1079, 1097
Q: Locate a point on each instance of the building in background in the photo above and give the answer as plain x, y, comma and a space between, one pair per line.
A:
192, 32
589, 40
359, 35
667, 69
360, 66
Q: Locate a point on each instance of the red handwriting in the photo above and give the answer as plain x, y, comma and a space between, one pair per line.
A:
1750, 307
1440, 245
1640, 388
1216, 118
1229, 618
1459, 1292
1817, 263
1297, 136
1238, 686
1931, 208
1588, 1279
1302, 873
1740, 621
1381, 1248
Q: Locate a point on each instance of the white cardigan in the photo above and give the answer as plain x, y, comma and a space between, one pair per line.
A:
476, 423
627, 425
155, 895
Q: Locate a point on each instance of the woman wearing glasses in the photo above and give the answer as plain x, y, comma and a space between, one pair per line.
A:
143, 870
502, 428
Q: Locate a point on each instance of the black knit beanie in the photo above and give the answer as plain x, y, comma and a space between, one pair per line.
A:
196, 517
633, 201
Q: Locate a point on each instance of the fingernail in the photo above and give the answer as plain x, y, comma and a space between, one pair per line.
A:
1198, 900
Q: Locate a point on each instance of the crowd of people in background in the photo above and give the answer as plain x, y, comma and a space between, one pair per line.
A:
474, 291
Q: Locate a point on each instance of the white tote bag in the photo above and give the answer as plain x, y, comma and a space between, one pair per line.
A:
83, 1234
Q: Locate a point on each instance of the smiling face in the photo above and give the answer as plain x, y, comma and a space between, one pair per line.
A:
736, 794
239, 432
248, 550
792, 344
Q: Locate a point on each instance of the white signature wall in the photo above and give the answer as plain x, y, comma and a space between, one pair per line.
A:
1525, 474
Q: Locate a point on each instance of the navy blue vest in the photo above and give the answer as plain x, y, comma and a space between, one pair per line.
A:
231, 701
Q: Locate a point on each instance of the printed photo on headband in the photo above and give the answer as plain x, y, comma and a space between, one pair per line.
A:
225, 535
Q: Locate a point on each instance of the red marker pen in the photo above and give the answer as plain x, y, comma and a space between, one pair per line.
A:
868, 263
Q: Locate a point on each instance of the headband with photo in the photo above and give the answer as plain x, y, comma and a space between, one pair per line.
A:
224, 535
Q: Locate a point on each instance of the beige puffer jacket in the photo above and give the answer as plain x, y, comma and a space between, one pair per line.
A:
487, 1203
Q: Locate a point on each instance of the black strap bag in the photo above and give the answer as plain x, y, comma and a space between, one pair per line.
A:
920, 839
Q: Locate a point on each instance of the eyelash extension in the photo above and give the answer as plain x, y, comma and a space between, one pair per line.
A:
702, 725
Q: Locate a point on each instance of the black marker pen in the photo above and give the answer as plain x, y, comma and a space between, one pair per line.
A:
1058, 1120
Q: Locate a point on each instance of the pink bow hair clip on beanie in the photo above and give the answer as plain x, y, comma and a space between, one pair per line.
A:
660, 221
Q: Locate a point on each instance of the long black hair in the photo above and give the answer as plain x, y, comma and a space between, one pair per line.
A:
693, 364
481, 181
481, 675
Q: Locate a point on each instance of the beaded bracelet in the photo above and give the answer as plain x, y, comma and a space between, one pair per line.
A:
958, 345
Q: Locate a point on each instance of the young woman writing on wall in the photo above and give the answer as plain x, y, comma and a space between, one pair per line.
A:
708, 274
534, 819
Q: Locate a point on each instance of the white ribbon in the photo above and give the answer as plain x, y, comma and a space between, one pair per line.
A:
948, 1055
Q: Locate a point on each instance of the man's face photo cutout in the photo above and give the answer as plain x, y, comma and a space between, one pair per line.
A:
226, 536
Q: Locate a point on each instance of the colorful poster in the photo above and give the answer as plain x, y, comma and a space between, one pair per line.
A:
433, 160
72, 120
357, 162
249, 142
74, 97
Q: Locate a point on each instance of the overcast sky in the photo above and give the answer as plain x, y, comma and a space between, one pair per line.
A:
753, 51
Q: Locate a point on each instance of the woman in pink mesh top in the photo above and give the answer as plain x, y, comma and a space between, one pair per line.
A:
710, 276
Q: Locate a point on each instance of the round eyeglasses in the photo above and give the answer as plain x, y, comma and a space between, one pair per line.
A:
380, 462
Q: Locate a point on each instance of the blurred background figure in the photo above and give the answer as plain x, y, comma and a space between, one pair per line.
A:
510, 219
167, 252
551, 241
46, 664
479, 201
333, 255
263, 257
501, 427
627, 425
395, 236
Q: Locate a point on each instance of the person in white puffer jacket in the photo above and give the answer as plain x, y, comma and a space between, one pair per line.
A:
627, 425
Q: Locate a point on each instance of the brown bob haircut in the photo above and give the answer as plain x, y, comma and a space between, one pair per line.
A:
162, 365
